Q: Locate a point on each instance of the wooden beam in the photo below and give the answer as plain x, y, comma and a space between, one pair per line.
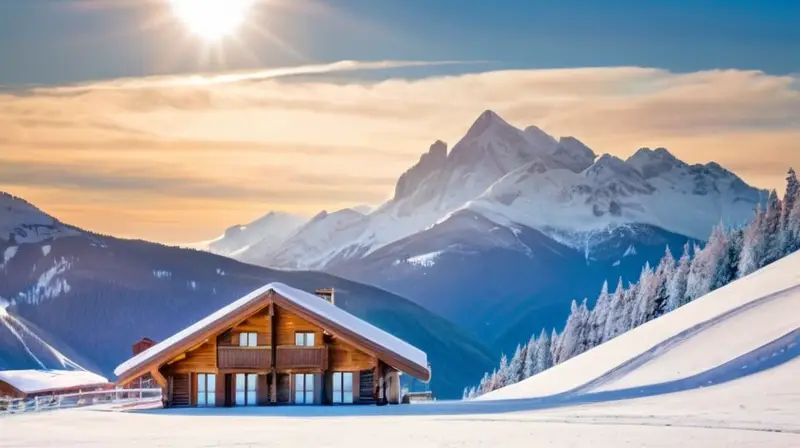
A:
160, 380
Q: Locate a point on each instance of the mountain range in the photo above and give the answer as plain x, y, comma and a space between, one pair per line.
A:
500, 232
70, 298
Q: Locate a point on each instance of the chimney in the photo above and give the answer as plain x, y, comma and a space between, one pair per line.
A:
142, 345
326, 294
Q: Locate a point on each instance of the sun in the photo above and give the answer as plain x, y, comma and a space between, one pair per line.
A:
212, 19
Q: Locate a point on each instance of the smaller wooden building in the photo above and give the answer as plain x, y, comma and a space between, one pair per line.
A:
278, 345
36, 383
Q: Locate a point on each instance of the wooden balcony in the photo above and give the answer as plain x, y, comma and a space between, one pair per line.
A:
294, 357
244, 357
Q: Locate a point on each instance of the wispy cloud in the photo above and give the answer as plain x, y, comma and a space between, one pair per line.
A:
214, 150
211, 79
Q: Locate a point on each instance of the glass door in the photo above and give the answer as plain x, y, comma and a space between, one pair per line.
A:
246, 389
304, 388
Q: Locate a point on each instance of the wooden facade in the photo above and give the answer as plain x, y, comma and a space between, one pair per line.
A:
273, 353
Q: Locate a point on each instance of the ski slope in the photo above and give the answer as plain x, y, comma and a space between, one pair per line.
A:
731, 328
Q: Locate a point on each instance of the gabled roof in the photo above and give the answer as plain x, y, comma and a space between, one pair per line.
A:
37, 381
390, 349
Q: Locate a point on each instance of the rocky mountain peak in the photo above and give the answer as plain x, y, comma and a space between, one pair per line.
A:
428, 163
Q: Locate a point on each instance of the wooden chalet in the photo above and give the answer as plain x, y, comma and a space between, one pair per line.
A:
38, 383
277, 345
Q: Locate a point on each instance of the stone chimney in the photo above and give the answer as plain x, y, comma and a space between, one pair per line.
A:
142, 345
326, 294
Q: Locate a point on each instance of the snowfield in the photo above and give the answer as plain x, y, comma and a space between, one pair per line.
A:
721, 371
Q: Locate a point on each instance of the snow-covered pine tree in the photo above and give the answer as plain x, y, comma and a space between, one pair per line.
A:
516, 368
728, 266
645, 296
472, 393
789, 197
573, 340
503, 373
629, 296
663, 274
771, 231
483, 385
793, 227
598, 317
555, 342
752, 244
676, 286
615, 313
705, 264
529, 369
544, 358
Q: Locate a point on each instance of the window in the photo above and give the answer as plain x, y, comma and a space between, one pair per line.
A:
246, 389
304, 388
248, 339
304, 339
206, 389
342, 387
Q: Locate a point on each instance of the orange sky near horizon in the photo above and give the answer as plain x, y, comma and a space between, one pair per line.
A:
177, 161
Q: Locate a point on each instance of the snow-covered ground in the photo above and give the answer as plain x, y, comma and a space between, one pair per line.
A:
720, 372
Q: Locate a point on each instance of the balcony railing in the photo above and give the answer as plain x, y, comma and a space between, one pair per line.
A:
294, 357
244, 357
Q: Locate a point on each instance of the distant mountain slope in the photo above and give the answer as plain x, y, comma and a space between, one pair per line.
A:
98, 295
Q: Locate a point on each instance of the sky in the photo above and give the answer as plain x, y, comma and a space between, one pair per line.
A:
116, 118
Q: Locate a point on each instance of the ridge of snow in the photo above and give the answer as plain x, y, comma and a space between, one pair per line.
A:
307, 301
33, 381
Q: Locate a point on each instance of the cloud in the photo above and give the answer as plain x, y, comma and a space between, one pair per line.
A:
218, 149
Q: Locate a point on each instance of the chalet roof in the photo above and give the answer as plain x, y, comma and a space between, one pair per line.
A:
34, 381
401, 354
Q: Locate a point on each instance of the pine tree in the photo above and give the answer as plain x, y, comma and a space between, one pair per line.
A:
629, 296
555, 342
752, 244
728, 267
789, 197
615, 313
516, 368
574, 337
664, 272
544, 359
529, 369
771, 231
598, 317
676, 286
706, 264
645, 296
503, 375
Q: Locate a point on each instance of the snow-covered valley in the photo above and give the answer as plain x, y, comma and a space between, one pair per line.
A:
719, 372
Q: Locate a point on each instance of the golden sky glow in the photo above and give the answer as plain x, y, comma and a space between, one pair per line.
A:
179, 159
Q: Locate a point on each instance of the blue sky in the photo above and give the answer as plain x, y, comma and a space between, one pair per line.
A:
143, 156
55, 41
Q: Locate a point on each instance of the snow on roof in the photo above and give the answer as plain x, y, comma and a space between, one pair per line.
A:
32, 381
305, 300
339, 316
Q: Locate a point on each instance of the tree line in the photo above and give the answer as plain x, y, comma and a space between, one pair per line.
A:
730, 253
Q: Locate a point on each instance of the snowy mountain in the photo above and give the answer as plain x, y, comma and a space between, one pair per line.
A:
97, 295
528, 178
21, 222
486, 233
308, 244
264, 235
